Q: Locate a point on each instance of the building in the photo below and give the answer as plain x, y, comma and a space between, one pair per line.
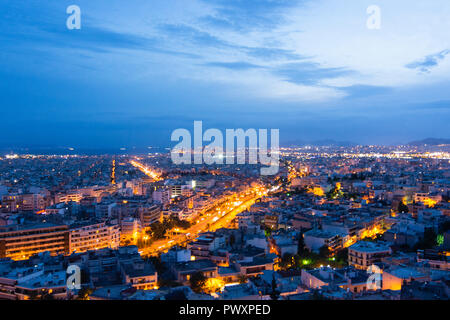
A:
93, 236
255, 266
396, 277
363, 254
149, 215
140, 275
130, 228
28, 282
175, 255
10, 203
184, 270
427, 199
31, 202
104, 209
316, 239
434, 258
19, 242
75, 197
207, 242
349, 278
271, 221
162, 195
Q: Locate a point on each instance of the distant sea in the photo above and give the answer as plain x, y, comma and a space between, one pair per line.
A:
82, 151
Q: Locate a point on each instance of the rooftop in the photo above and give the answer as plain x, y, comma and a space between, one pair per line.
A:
367, 246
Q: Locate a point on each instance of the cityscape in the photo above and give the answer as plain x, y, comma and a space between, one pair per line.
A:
223, 158
140, 228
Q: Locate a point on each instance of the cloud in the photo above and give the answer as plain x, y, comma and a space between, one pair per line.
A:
362, 91
43, 25
309, 73
270, 53
248, 15
193, 36
426, 64
234, 65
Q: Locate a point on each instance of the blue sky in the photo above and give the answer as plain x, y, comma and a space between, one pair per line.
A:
137, 71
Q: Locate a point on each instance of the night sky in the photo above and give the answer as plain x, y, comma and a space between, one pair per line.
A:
137, 70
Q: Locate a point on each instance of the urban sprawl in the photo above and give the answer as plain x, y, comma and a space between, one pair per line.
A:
335, 223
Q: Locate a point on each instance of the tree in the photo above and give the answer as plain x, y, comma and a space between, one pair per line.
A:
286, 261
444, 227
197, 282
267, 232
317, 295
242, 279
274, 294
47, 296
342, 256
428, 241
324, 252
403, 208
33, 295
301, 245
84, 293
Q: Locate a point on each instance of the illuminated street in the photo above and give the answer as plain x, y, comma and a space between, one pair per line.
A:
219, 217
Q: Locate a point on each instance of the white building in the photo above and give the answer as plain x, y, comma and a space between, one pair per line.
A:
363, 254
93, 237
316, 239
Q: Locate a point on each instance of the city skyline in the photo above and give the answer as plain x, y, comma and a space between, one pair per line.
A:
219, 158
130, 76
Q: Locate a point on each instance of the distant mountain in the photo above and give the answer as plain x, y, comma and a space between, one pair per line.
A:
320, 143
430, 142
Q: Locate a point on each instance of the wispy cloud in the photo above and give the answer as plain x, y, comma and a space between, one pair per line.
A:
234, 65
192, 36
426, 64
245, 16
309, 73
270, 53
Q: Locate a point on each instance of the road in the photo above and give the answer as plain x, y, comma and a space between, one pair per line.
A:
147, 170
216, 218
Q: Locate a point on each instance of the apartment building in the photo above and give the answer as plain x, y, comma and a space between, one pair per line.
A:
93, 236
149, 215
75, 197
363, 254
19, 242
316, 239
28, 282
22, 202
